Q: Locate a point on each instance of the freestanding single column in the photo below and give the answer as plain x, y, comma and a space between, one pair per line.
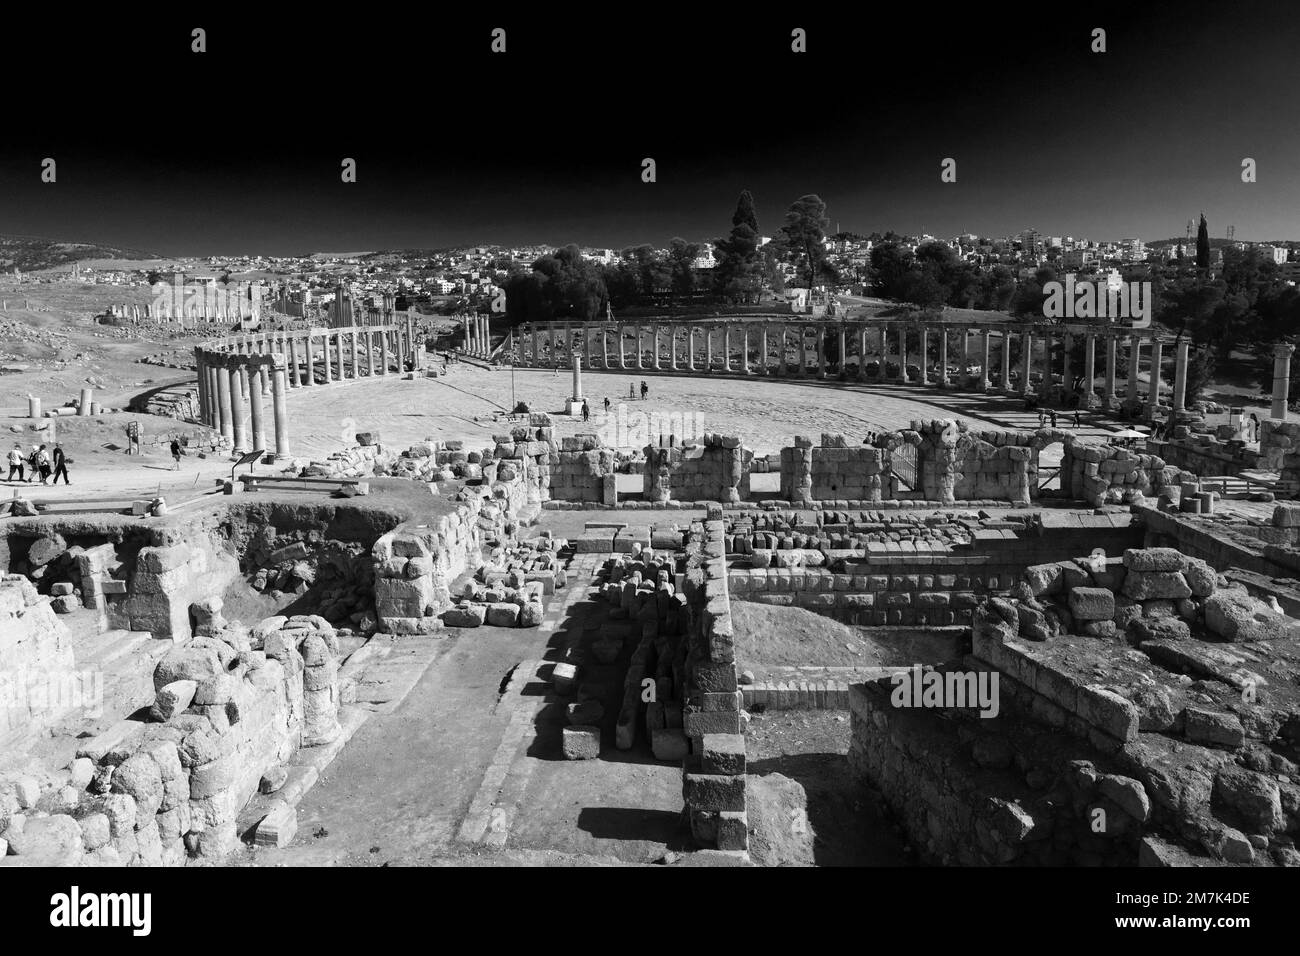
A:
984, 361
223, 402
1005, 372
279, 408
1112, 358
1281, 380
1026, 354
237, 412
1153, 397
943, 356
1089, 367
1134, 356
257, 440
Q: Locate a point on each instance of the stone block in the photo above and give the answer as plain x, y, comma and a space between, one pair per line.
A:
723, 754
1092, 604
581, 742
714, 792
278, 827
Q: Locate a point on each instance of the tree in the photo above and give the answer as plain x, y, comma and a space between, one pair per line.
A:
1203, 244
681, 265
805, 232
738, 275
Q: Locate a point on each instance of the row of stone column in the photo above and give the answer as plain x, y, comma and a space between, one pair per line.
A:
552, 345
478, 336
236, 374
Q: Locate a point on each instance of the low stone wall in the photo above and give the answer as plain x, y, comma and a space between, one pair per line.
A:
1100, 474
1201, 454
1277, 440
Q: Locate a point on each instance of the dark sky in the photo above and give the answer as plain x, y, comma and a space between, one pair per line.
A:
238, 149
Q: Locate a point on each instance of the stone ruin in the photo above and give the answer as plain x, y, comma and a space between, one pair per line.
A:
1148, 715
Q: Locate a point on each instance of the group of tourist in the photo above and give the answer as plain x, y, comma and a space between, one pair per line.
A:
39, 462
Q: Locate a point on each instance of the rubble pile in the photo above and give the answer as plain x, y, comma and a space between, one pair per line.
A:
509, 589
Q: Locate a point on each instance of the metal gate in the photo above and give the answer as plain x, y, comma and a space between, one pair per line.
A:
903, 461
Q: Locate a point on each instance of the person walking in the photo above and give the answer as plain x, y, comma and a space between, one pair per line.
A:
631, 392
60, 464
176, 455
586, 411
43, 465
1052, 413
645, 390
15, 463
1076, 418
33, 463
1042, 418
606, 404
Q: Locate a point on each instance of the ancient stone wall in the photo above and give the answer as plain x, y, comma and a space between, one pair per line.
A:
714, 772
33, 643
228, 710
710, 470
1100, 473
1277, 439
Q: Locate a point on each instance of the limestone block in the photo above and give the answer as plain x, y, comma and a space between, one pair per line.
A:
581, 742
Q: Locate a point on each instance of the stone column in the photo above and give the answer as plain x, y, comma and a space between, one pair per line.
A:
223, 402
801, 349
338, 339
1281, 380
1089, 367
655, 336
310, 369
862, 353
257, 440
1026, 354
637, 326
942, 332
1112, 357
780, 351
1180, 377
537, 350
293, 360
672, 347
356, 354
965, 358
884, 350
383, 350
744, 350
203, 385
902, 354
821, 351
726, 347
370, 351
279, 408
1153, 396
1067, 345
237, 413
622, 356
577, 377
325, 354
985, 382
1047, 365
555, 355
925, 356
1134, 356
1005, 373
708, 348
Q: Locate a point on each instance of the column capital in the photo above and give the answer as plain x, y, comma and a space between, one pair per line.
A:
1283, 350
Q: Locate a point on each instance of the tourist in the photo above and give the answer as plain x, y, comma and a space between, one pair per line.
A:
1076, 418
176, 455
631, 392
60, 464
1042, 418
1052, 413
1253, 435
606, 404
43, 465
645, 390
586, 411
15, 462
33, 463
